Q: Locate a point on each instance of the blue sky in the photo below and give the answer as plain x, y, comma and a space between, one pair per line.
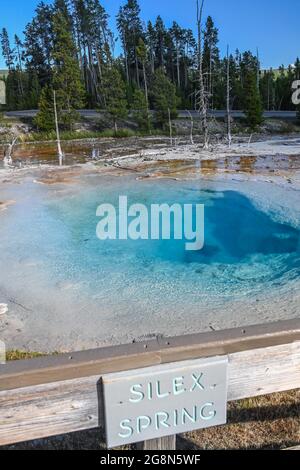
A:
270, 25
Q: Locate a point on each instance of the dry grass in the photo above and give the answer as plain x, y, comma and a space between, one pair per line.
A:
270, 422
16, 355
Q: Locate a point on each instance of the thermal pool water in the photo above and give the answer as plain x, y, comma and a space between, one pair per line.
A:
66, 289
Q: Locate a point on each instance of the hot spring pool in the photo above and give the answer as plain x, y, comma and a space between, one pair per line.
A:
66, 288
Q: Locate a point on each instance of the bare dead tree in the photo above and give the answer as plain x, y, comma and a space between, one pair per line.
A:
268, 91
178, 64
201, 94
211, 78
146, 93
228, 101
137, 69
145, 84
249, 141
170, 127
192, 127
125, 55
59, 150
8, 152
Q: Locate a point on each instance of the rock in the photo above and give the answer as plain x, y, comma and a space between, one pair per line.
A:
4, 205
3, 309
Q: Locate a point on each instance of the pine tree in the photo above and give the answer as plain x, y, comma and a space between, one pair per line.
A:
211, 60
94, 42
12, 88
33, 88
189, 66
164, 98
66, 73
267, 89
141, 51
160, 42
62, 7
7, 51
12, 91
114, 90
44, 120
131, 31
236, 80
38, 44
177, 37
150, 41
252, 101
140, 111
78, 56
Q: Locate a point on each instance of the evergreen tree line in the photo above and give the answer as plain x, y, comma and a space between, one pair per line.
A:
69, 48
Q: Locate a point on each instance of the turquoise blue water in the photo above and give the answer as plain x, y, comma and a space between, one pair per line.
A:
246, 250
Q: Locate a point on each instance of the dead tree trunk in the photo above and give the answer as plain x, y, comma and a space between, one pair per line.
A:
178, 65
211, 95
145, 84
59, 150
192, 127
268, 95
146, 95
137, 69
125, 56
20, 79
8, 153
202, 98
228, 101
170, 127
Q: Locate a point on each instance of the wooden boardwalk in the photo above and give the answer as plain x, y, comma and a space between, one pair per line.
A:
61, 394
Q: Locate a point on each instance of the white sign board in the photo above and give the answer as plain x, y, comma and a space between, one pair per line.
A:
164, 400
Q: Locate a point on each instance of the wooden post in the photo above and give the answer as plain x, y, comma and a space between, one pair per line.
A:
163, 443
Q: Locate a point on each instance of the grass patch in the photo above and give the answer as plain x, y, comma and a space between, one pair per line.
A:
269, 422
16, 355
4, 122
65, 135
120, 134
74, 135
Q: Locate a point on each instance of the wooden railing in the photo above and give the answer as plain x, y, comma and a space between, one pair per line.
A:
61, 394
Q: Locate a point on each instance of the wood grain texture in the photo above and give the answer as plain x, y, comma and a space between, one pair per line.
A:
163, 443
160, 350
263, 371
73, 405
49, 410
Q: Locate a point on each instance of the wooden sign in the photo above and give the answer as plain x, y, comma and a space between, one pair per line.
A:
164, 400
